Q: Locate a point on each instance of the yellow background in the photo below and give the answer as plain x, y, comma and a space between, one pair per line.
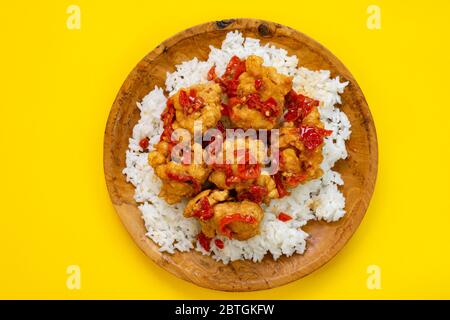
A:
57, 89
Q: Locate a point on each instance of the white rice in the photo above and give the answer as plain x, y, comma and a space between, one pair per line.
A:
319, 199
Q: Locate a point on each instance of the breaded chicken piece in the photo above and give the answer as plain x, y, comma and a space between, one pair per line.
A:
260, 96
197, 103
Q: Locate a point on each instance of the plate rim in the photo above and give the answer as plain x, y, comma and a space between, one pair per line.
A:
263, 27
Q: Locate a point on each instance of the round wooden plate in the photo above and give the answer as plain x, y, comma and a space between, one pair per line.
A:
359, 170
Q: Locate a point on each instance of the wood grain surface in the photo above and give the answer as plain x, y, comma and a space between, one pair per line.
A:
359, 170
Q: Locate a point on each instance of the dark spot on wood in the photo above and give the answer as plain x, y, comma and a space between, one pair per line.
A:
264, 30
222, 24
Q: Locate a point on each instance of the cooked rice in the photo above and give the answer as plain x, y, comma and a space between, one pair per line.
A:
318, 199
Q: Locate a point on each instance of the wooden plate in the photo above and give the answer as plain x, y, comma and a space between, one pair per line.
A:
359, 170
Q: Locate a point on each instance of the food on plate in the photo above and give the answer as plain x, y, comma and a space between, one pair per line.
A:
255, 93
238, 163
179, 180
300, 144
218, 215
197, 103
239, 196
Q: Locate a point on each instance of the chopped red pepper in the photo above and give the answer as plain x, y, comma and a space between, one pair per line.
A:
284, 217
212, 73
245, 171
258, 84
221, 128
312, 137
268, 108
197, 102
233, 101
282, 192
225, 110
167, 117
254, 193
183, 99
144, 143
298, 106
232, 179
204, 241
229, 81
219, 243
230, 218
282, 159
186, 179
191, 102
231, 87
204, 211
234, 69
248, 171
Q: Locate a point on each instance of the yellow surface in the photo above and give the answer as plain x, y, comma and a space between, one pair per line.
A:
57, 88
